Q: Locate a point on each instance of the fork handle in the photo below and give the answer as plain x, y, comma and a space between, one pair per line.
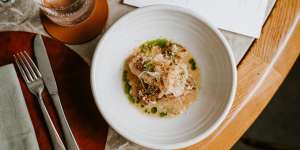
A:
69, 137
56, 140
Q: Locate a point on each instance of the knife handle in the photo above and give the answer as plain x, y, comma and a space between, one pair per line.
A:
69, 137
56, 140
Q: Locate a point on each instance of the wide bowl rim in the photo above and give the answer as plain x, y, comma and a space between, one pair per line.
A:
233, 71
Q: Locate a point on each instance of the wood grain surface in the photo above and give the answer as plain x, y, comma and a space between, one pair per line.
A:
72, 76
260, 74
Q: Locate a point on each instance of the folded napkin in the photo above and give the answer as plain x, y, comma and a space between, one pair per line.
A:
16, 130
240, 16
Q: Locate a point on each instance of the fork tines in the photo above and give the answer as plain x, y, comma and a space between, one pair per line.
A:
28, 69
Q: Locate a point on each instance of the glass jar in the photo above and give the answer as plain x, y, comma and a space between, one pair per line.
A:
67, 12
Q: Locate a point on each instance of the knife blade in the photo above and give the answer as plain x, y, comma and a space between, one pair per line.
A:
50, 83
44, 65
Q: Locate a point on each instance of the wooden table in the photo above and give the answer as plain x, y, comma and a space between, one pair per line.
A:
260, 74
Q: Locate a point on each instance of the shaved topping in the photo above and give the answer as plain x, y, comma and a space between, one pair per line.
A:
160, 75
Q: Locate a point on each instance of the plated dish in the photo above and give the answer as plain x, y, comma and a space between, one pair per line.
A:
161, 78
211, 85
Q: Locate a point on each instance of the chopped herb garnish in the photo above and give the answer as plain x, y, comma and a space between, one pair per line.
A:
144, 48
163, 114
131, 98
147, 46
193, 64
124, 77
159, 42
127, 87
153, 110
149, 66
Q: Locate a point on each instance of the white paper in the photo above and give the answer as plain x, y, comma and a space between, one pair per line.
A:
240, 16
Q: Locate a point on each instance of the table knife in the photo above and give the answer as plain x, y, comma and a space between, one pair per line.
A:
49, 80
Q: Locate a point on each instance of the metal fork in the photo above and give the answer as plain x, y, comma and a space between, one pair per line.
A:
33, 79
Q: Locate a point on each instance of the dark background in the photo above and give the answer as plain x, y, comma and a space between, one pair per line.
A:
278, 126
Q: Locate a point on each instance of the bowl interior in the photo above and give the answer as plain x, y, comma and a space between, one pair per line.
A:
210, 53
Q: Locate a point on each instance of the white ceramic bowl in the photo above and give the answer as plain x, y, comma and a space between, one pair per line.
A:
211, 53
